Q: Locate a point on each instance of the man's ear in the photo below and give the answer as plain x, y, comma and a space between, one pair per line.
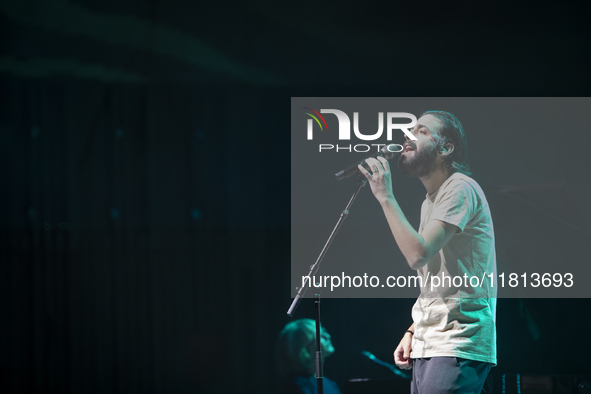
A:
306, 360
305, 354
447, 149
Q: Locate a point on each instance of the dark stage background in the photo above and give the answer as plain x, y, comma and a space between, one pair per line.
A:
145, 228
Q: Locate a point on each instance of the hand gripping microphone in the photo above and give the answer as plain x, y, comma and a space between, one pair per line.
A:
387, 152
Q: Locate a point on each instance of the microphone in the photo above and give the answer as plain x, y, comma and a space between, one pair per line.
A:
385, 364
387, 152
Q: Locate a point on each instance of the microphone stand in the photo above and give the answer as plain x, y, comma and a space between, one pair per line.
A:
313, 269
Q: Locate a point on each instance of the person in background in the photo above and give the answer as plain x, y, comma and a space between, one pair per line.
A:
295, 352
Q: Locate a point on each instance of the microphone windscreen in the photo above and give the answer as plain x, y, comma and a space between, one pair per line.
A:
389, 151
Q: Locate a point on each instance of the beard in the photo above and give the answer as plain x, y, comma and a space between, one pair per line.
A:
421, 164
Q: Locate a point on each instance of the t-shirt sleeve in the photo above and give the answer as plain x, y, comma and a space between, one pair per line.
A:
456, 204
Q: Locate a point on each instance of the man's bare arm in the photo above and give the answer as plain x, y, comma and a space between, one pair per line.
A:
417, 248
402, 352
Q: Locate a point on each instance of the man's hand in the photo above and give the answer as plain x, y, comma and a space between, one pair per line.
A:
380, 180
402, 352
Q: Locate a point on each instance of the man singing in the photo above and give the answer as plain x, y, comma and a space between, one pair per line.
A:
451, 345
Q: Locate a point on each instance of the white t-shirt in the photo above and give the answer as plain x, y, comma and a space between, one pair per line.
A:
458, 320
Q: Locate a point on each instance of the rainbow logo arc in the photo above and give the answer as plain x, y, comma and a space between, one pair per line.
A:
316, 119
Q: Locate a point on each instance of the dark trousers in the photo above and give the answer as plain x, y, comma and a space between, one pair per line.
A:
446, 375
